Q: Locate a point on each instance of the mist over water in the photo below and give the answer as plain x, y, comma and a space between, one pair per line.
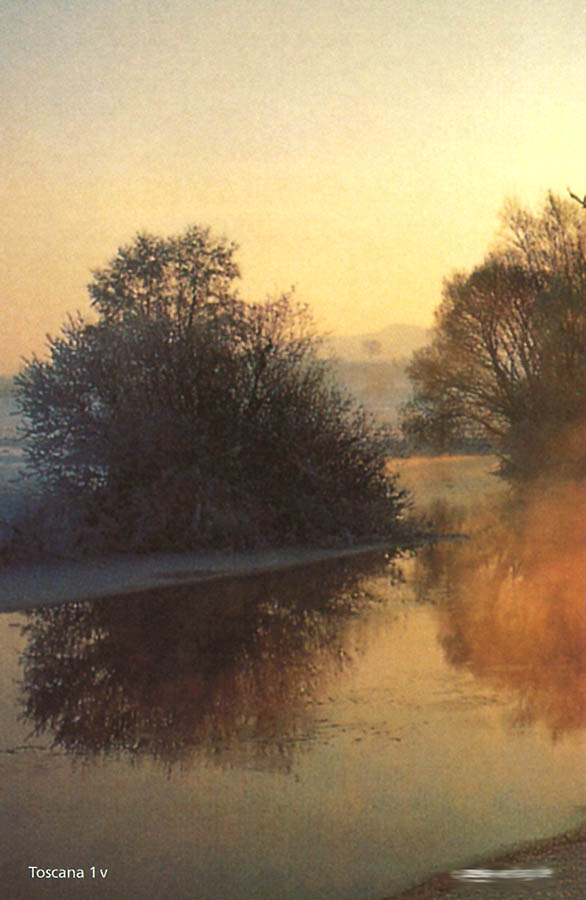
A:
511, 608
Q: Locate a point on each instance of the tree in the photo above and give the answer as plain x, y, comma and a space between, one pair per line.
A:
166, 277
372, 346
507, 362
184, 417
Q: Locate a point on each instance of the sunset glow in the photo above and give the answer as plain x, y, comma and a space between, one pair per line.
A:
360, 151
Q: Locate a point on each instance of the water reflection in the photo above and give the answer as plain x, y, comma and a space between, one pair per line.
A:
167, 674
511, 601
236, 671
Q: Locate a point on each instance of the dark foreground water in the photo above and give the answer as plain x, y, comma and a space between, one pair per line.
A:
340, 731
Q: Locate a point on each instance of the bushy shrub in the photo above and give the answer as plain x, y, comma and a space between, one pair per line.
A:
187, 418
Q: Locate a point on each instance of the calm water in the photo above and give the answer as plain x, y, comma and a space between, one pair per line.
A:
340, 731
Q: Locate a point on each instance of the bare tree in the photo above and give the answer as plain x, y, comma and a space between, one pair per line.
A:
507, 362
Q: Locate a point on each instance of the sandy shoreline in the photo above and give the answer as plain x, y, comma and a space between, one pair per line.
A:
24, 586
564, 856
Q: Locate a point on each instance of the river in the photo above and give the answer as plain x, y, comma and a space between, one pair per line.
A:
337, 732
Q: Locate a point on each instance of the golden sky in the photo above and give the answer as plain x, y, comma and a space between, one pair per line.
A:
359, 150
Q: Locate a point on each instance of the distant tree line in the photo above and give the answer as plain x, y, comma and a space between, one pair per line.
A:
506, 368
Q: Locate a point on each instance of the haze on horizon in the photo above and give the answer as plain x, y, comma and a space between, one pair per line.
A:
360, 151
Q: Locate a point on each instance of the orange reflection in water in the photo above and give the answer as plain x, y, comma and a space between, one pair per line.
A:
512, 607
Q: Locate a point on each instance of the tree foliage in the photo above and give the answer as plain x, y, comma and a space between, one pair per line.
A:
184, 417
507, 362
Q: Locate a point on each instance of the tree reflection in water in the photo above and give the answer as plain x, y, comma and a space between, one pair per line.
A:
193, 668
512, 601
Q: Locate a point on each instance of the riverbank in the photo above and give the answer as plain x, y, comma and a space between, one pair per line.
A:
38, 584
23, 585
549, 869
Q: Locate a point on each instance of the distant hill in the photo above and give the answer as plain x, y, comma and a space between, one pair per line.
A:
372, 366
390, 343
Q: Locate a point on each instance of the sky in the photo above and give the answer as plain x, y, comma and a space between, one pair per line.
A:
360, 151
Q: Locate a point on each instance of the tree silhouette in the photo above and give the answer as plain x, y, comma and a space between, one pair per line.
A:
507, 362
185, 418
